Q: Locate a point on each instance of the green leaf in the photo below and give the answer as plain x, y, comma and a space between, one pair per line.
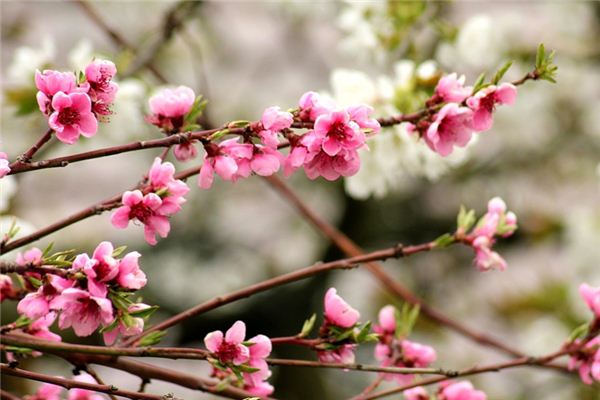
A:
247, 368
579, 332
35, 282
479, 83
540, 56
406, 319
218, 134
15, 349
113, 325
465, 219
364, 332
22, 321
196, 110
145, 313
118, 251
308, 326
152, 338
500, 73
47, 250
444, 241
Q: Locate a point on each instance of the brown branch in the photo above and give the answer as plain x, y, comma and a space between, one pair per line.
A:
348, 263
7, 267
4, 395
28, 155
347, 246
72, 384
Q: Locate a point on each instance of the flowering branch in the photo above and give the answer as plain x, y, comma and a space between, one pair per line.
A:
72, 384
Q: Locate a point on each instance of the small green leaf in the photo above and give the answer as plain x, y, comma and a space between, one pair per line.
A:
479, 83
247, 368
579, 332
47, 250
152, 338
196, 110
363, 333
144, 313
500, 73
118, 251
540, 56
444, 241
113, 325
15, 349
465, 219
308, 326
218, 134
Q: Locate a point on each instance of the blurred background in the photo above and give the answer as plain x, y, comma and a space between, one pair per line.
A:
542, 156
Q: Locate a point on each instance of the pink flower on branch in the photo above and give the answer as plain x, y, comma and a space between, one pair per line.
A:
254, 382
4, 165
451, 126
50, 83
84, 394
484, 102
72, 117
591, 296
7, 290
272, 122
147, 210
462, 390
417, 393
100, 269
343, 354
99, 75
127, 326
451, 89
312, 105
229, 159
338, 312
82, 311
130, 275
169, 107
587, 361
39, 303
229, 348
46, 391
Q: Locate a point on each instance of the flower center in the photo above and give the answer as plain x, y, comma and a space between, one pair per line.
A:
141, 212
68, 116
227, 352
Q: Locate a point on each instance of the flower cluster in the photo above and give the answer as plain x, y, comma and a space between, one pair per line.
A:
462, 113
74, 108
91, 293
339, 320
394, 351
232, 356
170, 108
496, 222
462, 390
587, 358
161, 198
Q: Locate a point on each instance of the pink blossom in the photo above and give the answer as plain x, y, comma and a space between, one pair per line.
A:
72, 117
295, 159
391, 352
99, 74
273, 121
185, 151
161, 180
4, 165
265, 160
484, 102
485, 258
587, 360
254, 382
226, 159
83, 311
451, 89
84, 394
169, 106
229, 349
338, 312
387, 320
344, 354
451, 126
40, 328
312, 105
32, 256
336, 132
591, 296
50, 83
462, 390
417, 393
416, 354
361, 115
145, 209
100, 269
7, 290
47, 391
135, 327
38, 304
130, 275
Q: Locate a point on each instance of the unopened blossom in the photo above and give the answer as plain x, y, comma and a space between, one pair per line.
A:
497, 221
254, 382
272, 122
46, 391
145, 209
224, 159
451, 89
82, 311
587, 361
51, 82
312, 105
7, 290
338, 312
32, 256
185, 151
4, 165
485, 258
344, 354
484, 102
387, 321
100, 269
134, 327
72, 117
591, 296
229, 348
451, 126
169, 107
417, 393
39, 303
84, 394
130, 275
462, 390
